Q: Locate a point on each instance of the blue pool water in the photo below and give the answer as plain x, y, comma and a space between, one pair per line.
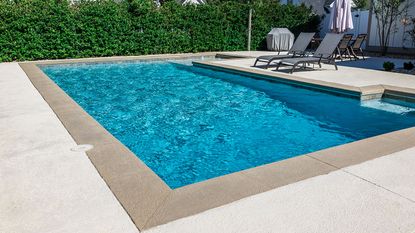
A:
190, 124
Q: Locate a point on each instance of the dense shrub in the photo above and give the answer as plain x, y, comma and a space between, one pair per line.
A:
408, 65
52, 29
388, 66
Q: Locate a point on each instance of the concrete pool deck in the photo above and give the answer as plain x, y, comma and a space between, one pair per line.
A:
44, 186
351, 73
369, 188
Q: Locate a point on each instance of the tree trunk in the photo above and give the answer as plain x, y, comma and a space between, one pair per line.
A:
384, 50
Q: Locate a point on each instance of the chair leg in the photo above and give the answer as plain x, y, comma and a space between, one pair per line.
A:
256, 61
363, 55
335, 65
345, 53
348, 54
292, 70
340, 54
354, 54
269, 62
267, 65
278, 66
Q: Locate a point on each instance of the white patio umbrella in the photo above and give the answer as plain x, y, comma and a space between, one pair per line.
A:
197, 2
341, 18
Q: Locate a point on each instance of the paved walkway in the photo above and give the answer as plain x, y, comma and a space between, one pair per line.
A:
46, 187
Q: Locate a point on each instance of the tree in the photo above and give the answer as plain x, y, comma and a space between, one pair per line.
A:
387, 12
411, 31
361, 4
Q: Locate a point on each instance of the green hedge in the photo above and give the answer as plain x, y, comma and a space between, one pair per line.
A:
52, 29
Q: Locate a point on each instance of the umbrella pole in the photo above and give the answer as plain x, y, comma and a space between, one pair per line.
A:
249, 29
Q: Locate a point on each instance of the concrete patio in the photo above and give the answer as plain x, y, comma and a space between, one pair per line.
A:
353, 73
47, 187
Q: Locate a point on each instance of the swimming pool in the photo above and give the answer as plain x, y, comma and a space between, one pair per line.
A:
190, 124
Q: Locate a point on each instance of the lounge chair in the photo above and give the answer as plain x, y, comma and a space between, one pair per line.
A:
356, 47
323, 54
298, 49
343, 48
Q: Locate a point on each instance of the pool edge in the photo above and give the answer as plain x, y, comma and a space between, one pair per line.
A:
149, 202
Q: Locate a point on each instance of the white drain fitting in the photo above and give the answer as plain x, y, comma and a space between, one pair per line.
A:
82, 148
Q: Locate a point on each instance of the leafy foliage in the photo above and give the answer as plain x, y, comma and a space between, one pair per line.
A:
361, 4
408, 65
388, 66
53, 29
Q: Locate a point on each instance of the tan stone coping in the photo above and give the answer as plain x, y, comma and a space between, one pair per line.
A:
150, 202
364, 93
